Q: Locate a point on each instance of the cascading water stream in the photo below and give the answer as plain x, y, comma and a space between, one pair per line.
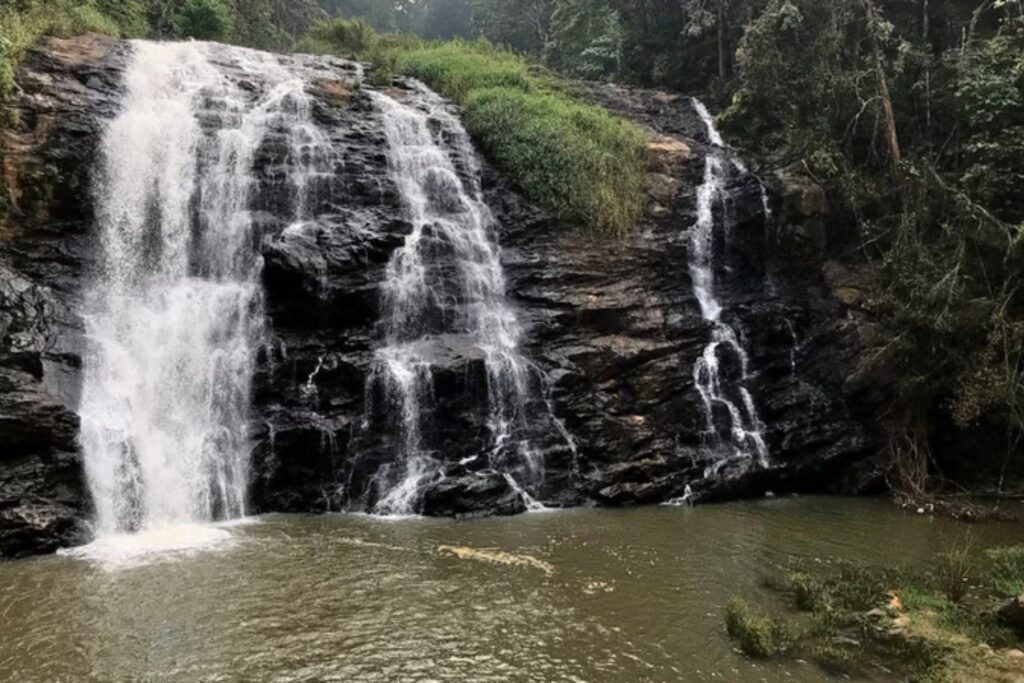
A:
444, 287
745, 433
174, 316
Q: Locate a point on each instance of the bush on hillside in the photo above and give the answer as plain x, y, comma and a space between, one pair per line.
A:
581, 161
351, 37
457, 68
1006, 571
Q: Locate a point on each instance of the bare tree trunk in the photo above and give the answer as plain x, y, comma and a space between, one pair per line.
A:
721, 39
888, 115
925, 38
974, 21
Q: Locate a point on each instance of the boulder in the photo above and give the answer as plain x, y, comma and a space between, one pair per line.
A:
472, 495
1011, 614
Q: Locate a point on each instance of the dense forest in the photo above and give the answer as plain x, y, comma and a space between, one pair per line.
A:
909, 113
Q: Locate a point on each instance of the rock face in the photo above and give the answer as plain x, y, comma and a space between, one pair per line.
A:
613, 327
67, 91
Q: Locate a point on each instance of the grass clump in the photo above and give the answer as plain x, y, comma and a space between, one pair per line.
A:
586, 165
757, 636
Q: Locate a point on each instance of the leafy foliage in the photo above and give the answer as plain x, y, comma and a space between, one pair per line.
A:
205, 19
991, 93
852, 617
456, 69
1006, 571
585, 39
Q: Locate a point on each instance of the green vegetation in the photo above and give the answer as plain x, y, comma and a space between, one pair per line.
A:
458, 69
934, 624
205, 19
758, 636
1006, 571
586, 165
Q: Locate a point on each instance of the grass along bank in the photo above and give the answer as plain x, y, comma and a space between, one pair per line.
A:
578, 160
949, 622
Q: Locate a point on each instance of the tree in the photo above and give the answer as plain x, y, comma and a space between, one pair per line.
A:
447, 19
522, 25
205, 19
585, 39
991, 93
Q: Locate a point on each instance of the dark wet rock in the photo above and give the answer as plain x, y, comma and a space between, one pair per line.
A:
472, 495
612, 326
66, 90
618, 328
42, 497
1011, 614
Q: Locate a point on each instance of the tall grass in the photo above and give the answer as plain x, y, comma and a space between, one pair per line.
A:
457, 68
579, 160
584, 164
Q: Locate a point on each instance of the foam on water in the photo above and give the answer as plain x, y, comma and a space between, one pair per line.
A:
130, 550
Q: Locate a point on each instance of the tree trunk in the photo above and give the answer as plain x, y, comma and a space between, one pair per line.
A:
974, 21
721, 39
925, 32
888, 115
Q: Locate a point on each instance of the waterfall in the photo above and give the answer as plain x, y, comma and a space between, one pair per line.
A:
722, 396
444, 289
174, 314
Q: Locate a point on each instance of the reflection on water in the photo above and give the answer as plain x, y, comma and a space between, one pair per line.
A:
580, 595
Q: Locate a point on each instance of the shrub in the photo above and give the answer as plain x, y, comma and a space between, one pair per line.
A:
1006, 570
128, 15
353, 37
205, 19
757, 636
456, 69
585, 164
835, 658
953, 569
809, 594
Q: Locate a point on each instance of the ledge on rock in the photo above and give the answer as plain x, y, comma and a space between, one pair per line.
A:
472, 495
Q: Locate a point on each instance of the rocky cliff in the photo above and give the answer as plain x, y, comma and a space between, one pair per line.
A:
612, 326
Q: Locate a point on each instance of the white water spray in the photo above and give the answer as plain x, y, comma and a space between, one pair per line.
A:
444, 286
174, 317
746, 432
